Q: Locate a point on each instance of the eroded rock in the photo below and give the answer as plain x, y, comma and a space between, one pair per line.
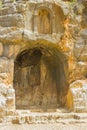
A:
51, 35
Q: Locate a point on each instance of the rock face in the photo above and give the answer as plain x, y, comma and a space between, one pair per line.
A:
43, 55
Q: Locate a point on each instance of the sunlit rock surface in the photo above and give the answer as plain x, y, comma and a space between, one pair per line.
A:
43, 56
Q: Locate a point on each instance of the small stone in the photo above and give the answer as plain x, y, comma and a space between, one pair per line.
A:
10, 102
2, 101
3, 89
10, 92
15, 120
22, 120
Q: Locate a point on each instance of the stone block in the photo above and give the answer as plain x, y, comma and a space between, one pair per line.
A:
11, 35
10, 112
13, 8
22, 120
20, 7
3, 89
11, 92
2, 106
79, 91
8, 51
12, 20
10, 102
82, 69
8, 10
80, 49
4, 64
84, 33
7, 1
15, 120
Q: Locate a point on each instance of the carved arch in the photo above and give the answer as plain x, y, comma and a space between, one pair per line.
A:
45, 7
48, 25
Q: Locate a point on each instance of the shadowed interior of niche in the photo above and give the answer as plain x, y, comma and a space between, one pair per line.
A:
40, 79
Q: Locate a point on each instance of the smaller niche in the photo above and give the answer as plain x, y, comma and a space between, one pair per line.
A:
44, 22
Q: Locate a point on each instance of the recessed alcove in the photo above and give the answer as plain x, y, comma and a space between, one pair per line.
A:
40, 79
59, 19
44, 22
48, 20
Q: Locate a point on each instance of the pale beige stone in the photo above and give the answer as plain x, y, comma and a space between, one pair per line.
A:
1, 49
32, 28
11, 20
79, 90
12, 33
10, 102
11, 51
17, 49
8, 51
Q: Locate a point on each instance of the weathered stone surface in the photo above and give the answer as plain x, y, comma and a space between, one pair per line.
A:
8, 51
11, 51
13, 8
3, 89
83, 57
1, 49
7, 99
3, 92
80, 49
81, 70
2, 106
43, 49
4, 64
10, 20
11, 35
84, 33
10, 102
6, 70
79, 90
11, 92
17, 49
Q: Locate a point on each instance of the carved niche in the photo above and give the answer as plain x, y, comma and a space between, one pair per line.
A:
44, 22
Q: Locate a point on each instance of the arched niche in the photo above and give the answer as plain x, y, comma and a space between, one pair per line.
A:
44, 21
49, 20
40, 79
59, 19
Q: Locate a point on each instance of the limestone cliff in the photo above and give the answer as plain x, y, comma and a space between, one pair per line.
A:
43, 55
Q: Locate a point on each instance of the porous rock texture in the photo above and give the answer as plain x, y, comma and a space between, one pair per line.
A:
43, 55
